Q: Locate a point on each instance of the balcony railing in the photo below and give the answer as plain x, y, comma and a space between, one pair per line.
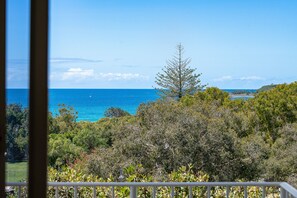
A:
279, 189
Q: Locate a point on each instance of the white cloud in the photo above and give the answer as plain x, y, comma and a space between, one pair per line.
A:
121, 76
79, 74
223, 78
251, 78
243, 78
73, 60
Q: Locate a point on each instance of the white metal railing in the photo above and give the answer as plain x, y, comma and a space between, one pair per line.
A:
285, 190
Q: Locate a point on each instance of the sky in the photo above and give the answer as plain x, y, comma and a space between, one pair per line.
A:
124, 43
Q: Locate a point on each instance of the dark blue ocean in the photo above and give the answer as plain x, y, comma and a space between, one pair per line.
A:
91, 103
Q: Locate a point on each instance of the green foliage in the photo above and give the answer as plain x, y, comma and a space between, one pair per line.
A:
61, 151
178, 79
135, 174
17, 133
228, 140
224, 138
254, 153
115, 112
210, 95
131, 174
282, 166
275, 108
68, 174
214, 94
66, 119
53, 126
169, 136
266, 88
89, 139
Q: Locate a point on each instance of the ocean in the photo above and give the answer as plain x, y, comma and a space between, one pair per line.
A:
92, 103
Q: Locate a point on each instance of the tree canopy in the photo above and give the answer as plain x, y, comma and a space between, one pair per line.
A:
17, 133
115, 112
178, 79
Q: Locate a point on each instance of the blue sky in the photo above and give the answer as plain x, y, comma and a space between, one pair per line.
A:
124, 43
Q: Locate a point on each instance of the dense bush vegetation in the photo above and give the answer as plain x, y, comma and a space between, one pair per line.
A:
227, 140
115, 112
135, 173
17, 133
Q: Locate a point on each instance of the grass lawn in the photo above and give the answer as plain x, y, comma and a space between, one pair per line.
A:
16, 171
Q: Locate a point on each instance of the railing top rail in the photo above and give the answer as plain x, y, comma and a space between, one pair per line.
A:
290, 189
142, 184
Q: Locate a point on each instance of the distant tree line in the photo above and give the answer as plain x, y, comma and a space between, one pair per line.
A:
266, 88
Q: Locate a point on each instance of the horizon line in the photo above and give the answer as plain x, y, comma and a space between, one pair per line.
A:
122, 88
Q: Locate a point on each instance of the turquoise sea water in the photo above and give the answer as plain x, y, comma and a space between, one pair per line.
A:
91, 103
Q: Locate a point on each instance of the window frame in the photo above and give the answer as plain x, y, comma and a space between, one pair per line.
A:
38, 98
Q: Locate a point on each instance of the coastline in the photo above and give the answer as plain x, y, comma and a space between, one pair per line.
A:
241, 95
92, 103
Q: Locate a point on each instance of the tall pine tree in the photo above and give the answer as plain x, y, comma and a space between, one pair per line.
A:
178, 79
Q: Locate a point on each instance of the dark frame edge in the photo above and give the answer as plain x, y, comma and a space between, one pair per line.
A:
2, 95
38, 99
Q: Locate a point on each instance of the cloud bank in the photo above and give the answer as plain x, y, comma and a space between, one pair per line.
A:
79, 74
243, 78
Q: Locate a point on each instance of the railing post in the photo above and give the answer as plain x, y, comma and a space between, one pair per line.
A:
172, 191
112, 192
133, 192
154, 191
19, 192
94, 192
245, 192
208, 192
263, 192
283, 193
75, 191
227, 191
190, 192
56, 192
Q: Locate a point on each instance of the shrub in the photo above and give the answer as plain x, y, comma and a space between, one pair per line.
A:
115, 112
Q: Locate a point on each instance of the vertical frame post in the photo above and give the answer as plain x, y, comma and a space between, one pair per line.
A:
38, 99
2, 95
